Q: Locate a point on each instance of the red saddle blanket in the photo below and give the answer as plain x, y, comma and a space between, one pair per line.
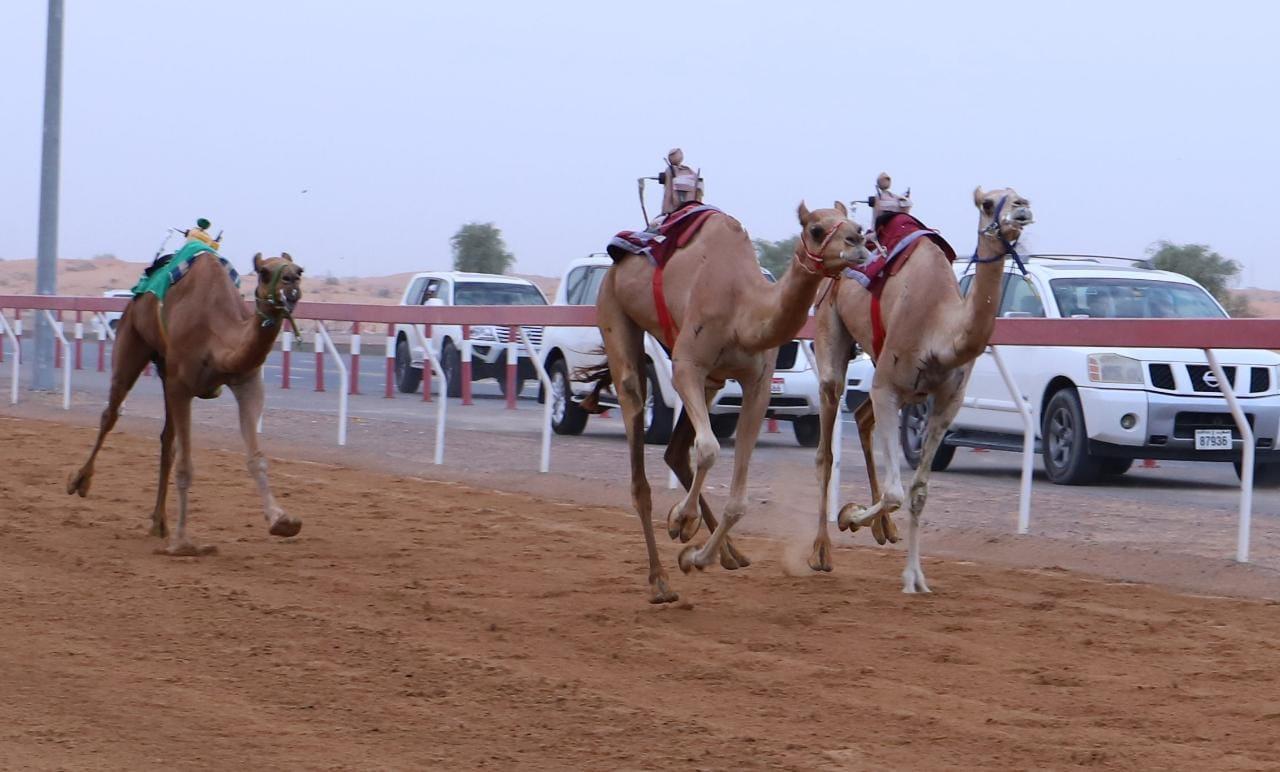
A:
896, 238
659, 244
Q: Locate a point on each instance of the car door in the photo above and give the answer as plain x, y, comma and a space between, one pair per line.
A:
582, 344
987, 404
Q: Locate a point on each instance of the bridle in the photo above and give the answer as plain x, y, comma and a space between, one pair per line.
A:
993, 231
816, 257
275, 302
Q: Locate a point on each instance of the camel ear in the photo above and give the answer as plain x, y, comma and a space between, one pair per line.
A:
840, 208
978, 195
285, 256
257, 262
803, 212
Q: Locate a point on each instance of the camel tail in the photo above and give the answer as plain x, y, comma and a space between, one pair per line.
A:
600, 375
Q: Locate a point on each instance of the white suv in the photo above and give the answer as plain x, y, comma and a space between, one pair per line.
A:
1097, 408
488, 343
567, 349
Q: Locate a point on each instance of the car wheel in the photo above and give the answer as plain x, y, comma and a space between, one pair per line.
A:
113, 324
1115, 466
566, 416
724, 425
658, 417
912, 426
808, 430
407, 376
451, 362
1066, 442
1265, 475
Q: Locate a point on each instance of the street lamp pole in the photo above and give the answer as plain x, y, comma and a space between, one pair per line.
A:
47, 246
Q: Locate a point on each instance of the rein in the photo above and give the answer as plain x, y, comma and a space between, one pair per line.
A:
275, 302
993, 230
815, 257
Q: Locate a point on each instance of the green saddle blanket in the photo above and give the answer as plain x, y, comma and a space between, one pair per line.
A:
169, 270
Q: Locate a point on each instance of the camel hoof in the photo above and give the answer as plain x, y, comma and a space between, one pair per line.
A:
659, 592
727, 561
849, 513
820, 560
890, 530
685, 559
742, 560
286, 526
682, 528
188, 550
158, 528
78, 482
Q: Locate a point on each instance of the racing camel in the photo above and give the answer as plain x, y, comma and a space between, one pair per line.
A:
925, 336
201, 337
720, 318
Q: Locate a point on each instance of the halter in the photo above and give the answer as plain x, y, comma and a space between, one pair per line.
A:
275, 302
994, 230
816, 257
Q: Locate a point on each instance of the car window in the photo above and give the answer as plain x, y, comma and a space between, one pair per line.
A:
475, 293
575, 286
1126, 298
965, 281
593, 285
432, 291
414, 295
1020, 299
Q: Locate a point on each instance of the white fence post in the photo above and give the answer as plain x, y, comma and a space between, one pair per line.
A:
545, 464
1245, 522
1028, 441
442, 401
17, 357
323, 334
58, 330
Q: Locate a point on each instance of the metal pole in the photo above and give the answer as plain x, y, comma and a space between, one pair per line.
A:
1244, 522
47, 245
1028, 441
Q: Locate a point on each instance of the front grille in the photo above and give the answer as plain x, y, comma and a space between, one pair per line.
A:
1161, 376
736, 401
1185, 424
787, 354
535, 335
1259, 379
1197, 374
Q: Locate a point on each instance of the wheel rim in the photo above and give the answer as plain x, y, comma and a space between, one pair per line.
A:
1061, 436
915, 420
558, 397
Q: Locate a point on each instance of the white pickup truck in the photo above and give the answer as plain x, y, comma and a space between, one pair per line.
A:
488, 343
566, 349
1097, 408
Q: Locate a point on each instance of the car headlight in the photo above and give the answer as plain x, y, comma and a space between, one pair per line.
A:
484, 332
1113, 368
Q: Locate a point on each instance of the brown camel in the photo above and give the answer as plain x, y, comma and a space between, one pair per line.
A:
932, 335
201, 338
730, 322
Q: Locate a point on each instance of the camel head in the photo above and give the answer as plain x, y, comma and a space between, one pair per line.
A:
829, 241
1002, 214
279, 282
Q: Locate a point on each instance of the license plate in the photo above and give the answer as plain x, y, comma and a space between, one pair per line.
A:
776, 386
1213, 439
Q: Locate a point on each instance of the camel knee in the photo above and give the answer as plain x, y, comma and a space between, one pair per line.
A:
706, 449
182, 478
257, 465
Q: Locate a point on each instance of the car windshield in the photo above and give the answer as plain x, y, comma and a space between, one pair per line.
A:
1132, 299
476, 293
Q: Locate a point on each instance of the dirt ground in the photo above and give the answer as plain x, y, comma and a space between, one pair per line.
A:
419, 624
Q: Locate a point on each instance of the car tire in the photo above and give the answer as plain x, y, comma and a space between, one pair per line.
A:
451, 362
1265, 475
659, 419
407, 376
807, 430
1065, 442
113, 324
1114, 467
566, 416
911, 428
724, 425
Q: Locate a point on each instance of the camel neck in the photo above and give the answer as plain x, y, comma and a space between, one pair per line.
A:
982, 300
253, 345
785, 309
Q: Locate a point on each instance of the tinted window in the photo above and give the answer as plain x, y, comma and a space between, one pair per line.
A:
575, 286
414, 296
485, 294
594, 279
1132, 299
1020, 299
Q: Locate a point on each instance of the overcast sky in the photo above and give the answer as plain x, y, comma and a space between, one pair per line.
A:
359, 136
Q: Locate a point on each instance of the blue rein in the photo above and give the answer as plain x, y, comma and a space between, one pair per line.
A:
994, 228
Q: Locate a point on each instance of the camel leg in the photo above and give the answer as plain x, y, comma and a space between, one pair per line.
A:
677, 458
624, 345
943, 411
884, 400
128, 358
249, 398
159, 524
755, 403
690, 381
179, 412
832, 347
882, 528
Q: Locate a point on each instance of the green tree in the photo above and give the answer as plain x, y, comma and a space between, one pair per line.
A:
1197, 261
478, 247
776, 255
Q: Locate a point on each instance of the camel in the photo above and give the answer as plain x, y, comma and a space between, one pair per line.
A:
931, 336
728, 323
201, 338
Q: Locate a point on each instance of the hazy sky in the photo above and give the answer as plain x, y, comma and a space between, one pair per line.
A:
1123, 123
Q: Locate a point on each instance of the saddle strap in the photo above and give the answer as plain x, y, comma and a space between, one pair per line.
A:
669, 330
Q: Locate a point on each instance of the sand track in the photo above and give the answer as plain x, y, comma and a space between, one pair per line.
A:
418, 624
